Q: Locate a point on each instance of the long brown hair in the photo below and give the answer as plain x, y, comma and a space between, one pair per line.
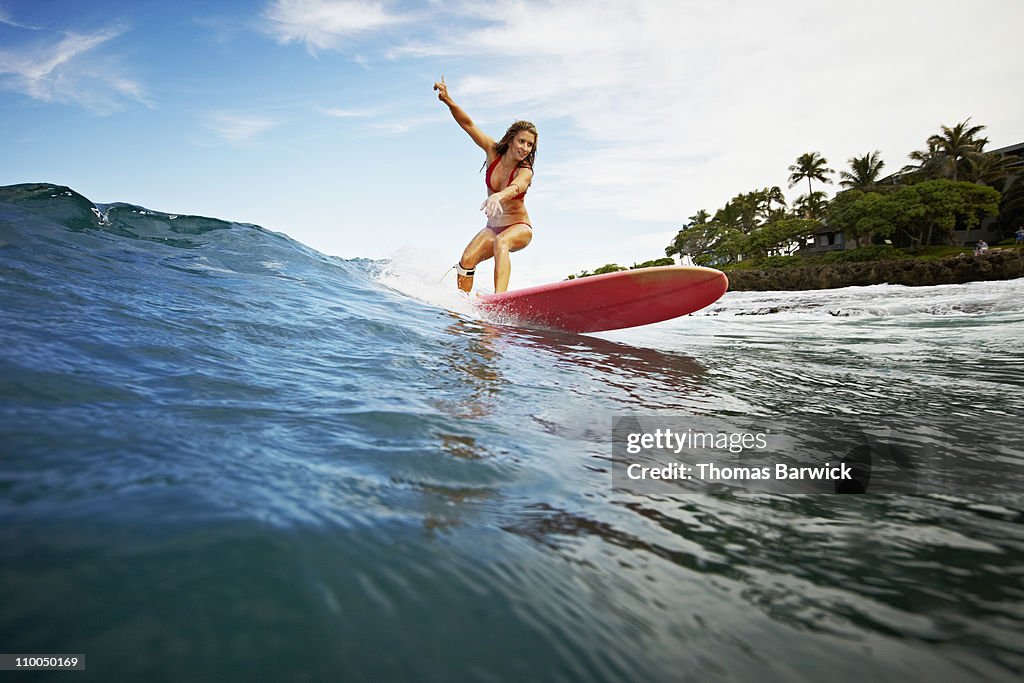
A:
502, 145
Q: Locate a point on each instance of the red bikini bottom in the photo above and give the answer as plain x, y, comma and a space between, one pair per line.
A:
498, 231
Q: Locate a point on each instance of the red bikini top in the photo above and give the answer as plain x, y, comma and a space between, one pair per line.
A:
511, 176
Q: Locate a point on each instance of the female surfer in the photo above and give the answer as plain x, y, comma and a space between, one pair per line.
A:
509, 172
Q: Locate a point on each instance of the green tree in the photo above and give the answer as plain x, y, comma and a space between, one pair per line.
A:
1011, 209
705, 237
700, 218
750, 208
778, 236
653, 263
957, 144
949, 204
731, 224
993, 169
730, 216
863, 215
929, 166
773, 195
747, 211
693, 238
914, 215
813, 206
864, 171
702, 242
727, 235
607, 268
811, 166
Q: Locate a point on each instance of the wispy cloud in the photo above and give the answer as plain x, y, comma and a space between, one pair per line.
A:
71, 69
326, 24
238, 128
6, 18
381, 121
399, 126
679, 104
339, 113
627, 77
668, 106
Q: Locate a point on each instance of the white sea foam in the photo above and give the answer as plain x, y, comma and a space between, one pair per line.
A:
973, 298
425, 276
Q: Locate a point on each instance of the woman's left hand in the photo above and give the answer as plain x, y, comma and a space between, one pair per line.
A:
492, 206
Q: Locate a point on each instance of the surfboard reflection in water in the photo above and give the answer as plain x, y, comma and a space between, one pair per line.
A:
225, 452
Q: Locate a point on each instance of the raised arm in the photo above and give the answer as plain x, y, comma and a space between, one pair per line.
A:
482, 139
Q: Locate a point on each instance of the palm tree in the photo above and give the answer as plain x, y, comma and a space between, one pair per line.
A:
699, 218
811, 166
958, 142
813, 206
730, 216
773, 195
865, 171
993, 169
693, 238
930, 162
749, 207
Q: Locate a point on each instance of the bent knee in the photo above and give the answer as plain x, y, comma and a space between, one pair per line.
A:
512, 244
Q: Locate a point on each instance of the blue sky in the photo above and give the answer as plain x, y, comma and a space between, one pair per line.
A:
317, 118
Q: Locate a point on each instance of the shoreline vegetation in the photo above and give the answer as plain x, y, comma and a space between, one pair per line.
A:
874, 266
863, 267
917, 226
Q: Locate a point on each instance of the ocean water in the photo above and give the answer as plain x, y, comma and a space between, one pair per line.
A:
226, 456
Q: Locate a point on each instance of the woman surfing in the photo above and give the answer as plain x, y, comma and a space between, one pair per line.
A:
509, 165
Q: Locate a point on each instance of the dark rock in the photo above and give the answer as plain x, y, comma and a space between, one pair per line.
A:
1001, 264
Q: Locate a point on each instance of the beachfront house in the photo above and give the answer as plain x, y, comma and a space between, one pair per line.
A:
826, 239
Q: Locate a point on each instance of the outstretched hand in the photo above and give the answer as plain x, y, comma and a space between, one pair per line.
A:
442, 91
492, 207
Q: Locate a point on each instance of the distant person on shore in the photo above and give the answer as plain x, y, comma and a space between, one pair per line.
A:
509, 166
1020, 235
981, 248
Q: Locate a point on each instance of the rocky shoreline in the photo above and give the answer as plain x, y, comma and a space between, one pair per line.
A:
996, 265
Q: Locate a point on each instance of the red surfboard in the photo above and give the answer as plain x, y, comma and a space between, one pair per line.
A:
610, 301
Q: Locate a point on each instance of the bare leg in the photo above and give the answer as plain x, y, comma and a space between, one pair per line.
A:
512, 239
480, 248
